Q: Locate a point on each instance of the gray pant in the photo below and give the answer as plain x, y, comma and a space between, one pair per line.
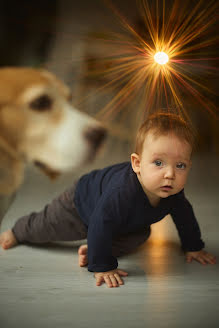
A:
59, 221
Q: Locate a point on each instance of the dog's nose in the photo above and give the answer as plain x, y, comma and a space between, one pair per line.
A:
95, 136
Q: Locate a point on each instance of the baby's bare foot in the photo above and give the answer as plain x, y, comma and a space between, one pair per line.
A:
7, 239
82, 252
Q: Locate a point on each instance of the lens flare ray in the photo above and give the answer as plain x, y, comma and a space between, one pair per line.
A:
184, 34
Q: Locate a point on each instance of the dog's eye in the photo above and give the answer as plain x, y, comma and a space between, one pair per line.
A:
41, 103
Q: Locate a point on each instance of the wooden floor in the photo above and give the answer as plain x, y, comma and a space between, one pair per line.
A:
44, 286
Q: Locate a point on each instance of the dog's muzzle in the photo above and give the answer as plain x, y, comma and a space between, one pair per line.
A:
95, 137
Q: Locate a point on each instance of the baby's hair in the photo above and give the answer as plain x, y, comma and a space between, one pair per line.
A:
162, 123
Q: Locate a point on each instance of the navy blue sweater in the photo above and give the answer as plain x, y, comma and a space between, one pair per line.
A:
111, 202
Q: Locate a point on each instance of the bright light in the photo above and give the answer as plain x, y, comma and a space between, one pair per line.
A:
161, 58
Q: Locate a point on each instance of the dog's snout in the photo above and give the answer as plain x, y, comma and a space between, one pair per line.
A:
95, 136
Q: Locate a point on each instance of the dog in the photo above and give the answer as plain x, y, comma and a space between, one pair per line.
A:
39, 125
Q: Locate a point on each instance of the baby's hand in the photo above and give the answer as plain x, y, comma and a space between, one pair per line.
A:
201, 256
111, 278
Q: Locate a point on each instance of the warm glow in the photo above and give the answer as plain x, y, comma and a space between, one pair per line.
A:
161, 58
156, 64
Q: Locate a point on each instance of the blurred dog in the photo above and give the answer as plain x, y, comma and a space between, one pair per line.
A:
38, 124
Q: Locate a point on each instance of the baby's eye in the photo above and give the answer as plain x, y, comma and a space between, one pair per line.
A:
181, 166
158, 163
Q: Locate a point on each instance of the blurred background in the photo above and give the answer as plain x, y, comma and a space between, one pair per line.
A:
58, 35
61, 37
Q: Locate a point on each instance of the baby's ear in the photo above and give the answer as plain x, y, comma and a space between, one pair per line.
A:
135, 160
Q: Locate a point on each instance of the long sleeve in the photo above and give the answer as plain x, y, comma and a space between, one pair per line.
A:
104, 222
99, 237
186, 224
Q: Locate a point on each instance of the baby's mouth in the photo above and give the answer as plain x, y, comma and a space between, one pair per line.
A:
167, 187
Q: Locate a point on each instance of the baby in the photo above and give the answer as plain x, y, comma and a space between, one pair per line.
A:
114, 207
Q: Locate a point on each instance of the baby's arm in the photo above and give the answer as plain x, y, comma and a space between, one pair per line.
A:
201, 256
105, 223
189, 232
111, 278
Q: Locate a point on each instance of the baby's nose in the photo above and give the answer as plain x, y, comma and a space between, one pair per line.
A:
170, 173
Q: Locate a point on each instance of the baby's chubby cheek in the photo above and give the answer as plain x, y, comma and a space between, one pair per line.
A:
179, 185
152, 184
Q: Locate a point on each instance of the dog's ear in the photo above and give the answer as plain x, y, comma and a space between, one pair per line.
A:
11, 172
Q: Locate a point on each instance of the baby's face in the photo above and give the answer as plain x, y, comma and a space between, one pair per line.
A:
163, 166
